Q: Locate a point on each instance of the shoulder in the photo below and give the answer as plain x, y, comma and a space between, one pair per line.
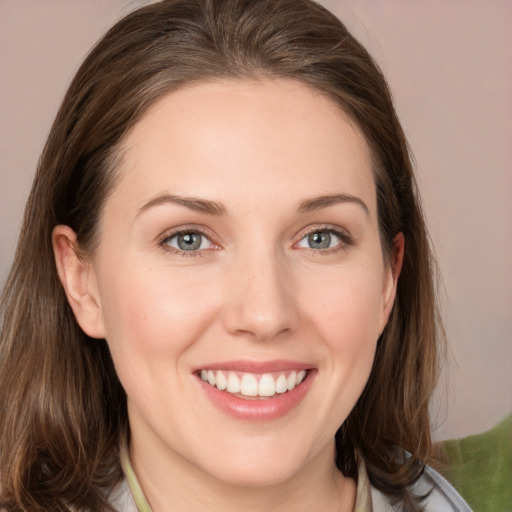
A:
441, 496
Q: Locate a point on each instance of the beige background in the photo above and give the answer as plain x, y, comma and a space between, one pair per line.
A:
449, 65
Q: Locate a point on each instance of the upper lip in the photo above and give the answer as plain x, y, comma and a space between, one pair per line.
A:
247, 366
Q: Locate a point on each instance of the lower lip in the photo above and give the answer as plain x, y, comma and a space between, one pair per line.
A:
264, 409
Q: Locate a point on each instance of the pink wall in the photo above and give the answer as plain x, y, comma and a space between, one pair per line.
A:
449, 64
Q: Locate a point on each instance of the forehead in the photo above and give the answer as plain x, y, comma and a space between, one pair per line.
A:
247, 139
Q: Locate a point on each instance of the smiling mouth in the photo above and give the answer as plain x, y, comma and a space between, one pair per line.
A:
253, 385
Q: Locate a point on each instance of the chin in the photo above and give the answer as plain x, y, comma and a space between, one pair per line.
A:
255, 475
261, 467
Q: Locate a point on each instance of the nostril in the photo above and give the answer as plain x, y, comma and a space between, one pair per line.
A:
247, 320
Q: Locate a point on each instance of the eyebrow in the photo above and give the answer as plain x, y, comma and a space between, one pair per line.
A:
319, 202
218, 209
193, 203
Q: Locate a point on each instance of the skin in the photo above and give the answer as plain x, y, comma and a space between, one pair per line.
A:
254, 291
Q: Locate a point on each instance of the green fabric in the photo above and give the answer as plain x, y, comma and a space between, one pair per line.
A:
480, 468
135, 488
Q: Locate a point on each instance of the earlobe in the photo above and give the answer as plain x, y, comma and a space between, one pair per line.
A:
78, 279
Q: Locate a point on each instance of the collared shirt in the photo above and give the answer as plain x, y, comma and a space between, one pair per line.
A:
129, 497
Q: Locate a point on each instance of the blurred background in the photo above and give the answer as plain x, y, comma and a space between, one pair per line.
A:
449, 65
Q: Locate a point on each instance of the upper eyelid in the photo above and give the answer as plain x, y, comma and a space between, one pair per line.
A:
172, 232
323, 227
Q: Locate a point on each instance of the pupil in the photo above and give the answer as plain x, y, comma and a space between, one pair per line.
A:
189, 241
320, 240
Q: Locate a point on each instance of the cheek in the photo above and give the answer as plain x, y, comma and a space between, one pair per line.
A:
345, 307
152, 317
346, 317
341, 313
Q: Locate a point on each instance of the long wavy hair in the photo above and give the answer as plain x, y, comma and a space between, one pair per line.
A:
62, 407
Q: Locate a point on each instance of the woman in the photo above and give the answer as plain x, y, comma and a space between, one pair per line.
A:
222, 295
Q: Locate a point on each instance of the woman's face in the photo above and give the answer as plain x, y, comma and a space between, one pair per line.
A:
241, 246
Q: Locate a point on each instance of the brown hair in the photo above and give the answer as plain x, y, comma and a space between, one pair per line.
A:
62, 408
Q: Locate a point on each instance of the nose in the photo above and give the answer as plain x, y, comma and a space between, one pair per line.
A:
261, 303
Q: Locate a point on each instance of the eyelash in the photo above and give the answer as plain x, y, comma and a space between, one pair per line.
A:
166, 237
346, 240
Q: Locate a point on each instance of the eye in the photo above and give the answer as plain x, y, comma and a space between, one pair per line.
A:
189, 241
322, 239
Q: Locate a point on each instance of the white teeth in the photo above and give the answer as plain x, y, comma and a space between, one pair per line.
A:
249, 385
233, 383
222, 382
281, 384
267, 385
292, 380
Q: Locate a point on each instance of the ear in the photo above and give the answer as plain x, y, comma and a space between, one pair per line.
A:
396, 259
78, 279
